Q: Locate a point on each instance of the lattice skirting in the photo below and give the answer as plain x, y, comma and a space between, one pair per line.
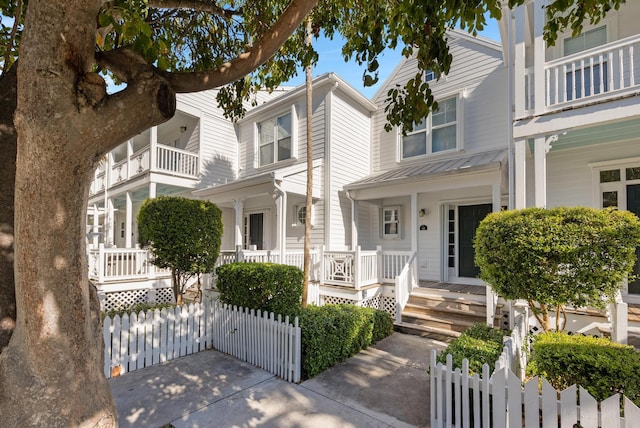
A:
384, 303
123, 299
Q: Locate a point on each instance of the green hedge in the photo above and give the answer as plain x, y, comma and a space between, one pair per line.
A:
600, 366
333, 333
480, 344
264, 286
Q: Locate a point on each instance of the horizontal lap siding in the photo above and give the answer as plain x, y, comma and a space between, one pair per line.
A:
350, 161
569, 177
476, 68
218, 152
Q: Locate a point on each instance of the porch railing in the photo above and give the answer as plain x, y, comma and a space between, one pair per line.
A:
406, 281
603, 72
177, 161
118, 264
354, 269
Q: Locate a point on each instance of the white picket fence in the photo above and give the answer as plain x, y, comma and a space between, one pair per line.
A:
498, 400
147, 338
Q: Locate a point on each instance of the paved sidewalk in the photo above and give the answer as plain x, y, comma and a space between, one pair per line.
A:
383, 386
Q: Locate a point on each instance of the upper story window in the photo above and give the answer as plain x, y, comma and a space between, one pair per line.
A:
437, 133
587, 40
274, 136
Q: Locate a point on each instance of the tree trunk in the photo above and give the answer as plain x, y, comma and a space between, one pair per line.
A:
8, 148
51, 374
309, 200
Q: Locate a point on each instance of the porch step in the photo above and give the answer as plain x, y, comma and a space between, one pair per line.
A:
438, 334
445, 313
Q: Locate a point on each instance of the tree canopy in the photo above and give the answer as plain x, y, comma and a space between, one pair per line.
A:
557, 257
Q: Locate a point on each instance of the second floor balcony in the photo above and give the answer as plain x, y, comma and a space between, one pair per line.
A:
599, 74
152, 158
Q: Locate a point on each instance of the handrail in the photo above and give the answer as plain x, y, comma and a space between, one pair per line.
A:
406, 281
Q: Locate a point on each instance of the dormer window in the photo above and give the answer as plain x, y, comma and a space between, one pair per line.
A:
274, 137
437, 133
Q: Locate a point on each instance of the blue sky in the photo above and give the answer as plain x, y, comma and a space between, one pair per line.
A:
330, 53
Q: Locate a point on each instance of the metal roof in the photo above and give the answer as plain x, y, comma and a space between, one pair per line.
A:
434, 168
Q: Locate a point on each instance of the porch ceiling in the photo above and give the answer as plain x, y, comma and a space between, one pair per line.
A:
606, 133
493, 160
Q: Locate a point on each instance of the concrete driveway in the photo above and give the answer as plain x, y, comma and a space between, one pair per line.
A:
385, 385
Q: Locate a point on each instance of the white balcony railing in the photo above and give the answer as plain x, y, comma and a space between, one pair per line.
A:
600, 73
118, 264
170, 160
177, 161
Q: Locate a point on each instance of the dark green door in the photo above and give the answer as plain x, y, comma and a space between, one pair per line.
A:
633, 205
469, 217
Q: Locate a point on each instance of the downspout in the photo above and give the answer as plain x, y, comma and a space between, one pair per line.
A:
282, 218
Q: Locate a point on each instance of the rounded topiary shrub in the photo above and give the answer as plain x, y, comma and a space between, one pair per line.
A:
600, 366
261, 286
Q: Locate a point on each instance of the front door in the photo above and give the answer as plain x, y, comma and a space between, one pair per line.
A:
254, 231
469, 217
633, 205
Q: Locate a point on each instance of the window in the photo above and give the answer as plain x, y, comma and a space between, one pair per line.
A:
274, 136
391, 222
589, 76
299, 215
437, 133
587, 40
613, 182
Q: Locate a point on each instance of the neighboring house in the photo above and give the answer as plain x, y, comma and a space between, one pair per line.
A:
576, 132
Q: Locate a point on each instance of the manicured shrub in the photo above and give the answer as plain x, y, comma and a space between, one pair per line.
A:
480, 344
264, 286
599, 365
556, 257
333, 333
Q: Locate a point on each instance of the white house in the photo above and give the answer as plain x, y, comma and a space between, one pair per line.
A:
576, 113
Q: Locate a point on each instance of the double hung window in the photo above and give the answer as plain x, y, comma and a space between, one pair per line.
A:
437, 133
274, 137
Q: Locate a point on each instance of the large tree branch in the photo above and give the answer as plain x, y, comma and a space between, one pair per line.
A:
248, 61
200, 5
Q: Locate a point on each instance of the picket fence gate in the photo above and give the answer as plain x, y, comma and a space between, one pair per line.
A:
147, 338
498, 400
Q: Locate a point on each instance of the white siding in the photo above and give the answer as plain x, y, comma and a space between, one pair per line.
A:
478, 71
349, 160
218, 151
569, 177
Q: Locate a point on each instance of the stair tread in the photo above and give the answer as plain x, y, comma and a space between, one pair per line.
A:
409, 307
427, 329
443, 320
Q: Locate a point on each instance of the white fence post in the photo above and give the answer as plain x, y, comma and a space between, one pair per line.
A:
100, 263
380, 264
618, 316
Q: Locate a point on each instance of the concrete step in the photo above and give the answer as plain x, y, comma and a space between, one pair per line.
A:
439, 321
429, 305
433, 333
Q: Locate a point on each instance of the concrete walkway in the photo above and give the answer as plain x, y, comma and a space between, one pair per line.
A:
383, 386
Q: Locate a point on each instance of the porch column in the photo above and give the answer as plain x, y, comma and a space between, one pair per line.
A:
152, 190
414, 223
108, 223
520, 174
95, 229
128, 224
238, 206
354, 222
496, 197
281, 221
519, 81
540, 170
153, 143
539, 59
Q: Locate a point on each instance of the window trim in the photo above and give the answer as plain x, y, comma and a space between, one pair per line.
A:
296, 218
398, 221
612, 186
293, 134
429, 128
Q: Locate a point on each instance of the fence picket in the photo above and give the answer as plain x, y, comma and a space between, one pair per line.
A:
610, 412
106, 334
476, 400
631, 413
486, 415
154, 330
124, 343
532, 409
588, 410
163, 334
134, 353
514, 396
184, 330
499, 398
568, 407
549, 404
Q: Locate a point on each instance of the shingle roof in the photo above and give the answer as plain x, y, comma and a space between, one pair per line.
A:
431, 169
